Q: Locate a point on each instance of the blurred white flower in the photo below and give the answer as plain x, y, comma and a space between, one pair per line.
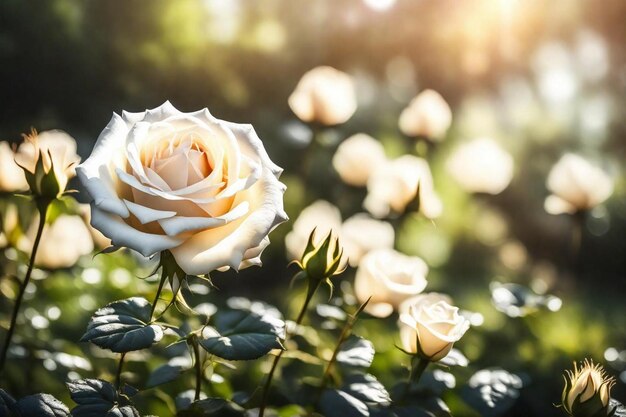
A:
324, 95
361, 234
428, 115
393, 185
11, 175
62, 242
389, 278
322, 216
356, 158
576, 185
481, 166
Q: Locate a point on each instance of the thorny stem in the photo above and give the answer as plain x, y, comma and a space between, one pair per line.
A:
158, 294
42, 206
313, 286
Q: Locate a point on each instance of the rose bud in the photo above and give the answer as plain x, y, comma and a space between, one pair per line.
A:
48, 160
427, 115
324, 95
587, 391
324, 260
429, 329
576, 185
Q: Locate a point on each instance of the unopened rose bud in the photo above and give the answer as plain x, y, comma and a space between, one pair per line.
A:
324, 260
587, 391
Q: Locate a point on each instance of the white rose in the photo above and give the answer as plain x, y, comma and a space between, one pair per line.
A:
392, 186
202, 188
11, 175
428, 115
57, 149
356, 158
324, 95
62, 243
389, 277
321, 216
431, 329
481, 166
576, 185
361, 234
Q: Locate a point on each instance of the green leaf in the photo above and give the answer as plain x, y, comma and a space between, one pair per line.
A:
98, 398
169, 371
41, 405
242, 335
616, 408
367, 388
122, 326
336, 403
492, 392
7, 403
356, 351
454, 358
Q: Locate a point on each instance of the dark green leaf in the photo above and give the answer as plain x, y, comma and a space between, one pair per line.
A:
454, 358
492, 392
242, 335
617, 408
169, 372
356, 351
41, 405
122, 326
7, 404
335, 403
98, 398
366, 388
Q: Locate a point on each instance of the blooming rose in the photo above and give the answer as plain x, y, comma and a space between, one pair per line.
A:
481, 166
324, 95
202, 188
357, 157
62, 242
11, 175
393, 185
389, 277
360, 234
587, 391
321, 216
56, 148
430, 328
576, 185
428, 115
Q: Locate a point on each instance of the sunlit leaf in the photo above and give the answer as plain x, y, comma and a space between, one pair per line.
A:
336, 403
169, 371
122, 326
356, 351
41, 405
366, 388
492, 391
98, 398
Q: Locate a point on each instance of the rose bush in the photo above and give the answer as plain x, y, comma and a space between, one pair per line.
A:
202, 188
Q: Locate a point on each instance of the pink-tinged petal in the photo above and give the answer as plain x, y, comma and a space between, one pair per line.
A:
180, 224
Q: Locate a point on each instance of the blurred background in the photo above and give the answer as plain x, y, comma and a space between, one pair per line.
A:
539, 78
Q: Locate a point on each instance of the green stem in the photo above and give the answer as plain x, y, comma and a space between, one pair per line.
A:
198, 366
313, 286
43, 211
418, 366
118, 375
158, 294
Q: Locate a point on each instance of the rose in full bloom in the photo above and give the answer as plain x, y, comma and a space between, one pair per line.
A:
427, 115
481, 166
62, 243
389, 277
201, 188
393, 185
56, 149
361, 234
11, 175
430, 329
587, 391
357, 157
324, 95
576, 185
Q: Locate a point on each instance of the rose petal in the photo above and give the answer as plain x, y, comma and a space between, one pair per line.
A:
147, 214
